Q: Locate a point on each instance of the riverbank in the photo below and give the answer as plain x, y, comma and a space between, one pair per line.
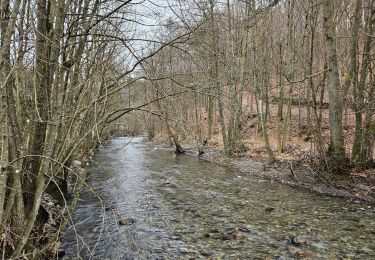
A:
60, 197
296, 173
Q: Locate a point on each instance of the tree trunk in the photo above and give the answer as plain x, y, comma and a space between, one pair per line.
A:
336, 150
359, 153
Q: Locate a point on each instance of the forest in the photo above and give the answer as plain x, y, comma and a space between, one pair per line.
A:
289, 84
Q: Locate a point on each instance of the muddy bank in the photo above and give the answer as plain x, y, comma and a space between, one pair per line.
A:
298, 174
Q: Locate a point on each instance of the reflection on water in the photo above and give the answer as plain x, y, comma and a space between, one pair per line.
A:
185, 208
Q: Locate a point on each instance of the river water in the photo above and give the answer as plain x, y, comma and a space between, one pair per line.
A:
177, 207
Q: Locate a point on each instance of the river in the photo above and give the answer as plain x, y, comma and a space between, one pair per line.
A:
177, 207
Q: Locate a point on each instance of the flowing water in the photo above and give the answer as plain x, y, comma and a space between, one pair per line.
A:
177, 207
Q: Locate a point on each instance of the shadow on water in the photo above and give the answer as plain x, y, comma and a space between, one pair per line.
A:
161, 206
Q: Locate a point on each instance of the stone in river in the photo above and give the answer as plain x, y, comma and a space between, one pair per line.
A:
176, 237
187, 251
183, 250
319, 245
298, 252
239, 236
126, 221
299, 240
206, 253
226, 237
61, 253
303, 254
244, 229
78, 163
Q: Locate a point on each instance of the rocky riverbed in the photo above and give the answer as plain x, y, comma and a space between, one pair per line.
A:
148, 203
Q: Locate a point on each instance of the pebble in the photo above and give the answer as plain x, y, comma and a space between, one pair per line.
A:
319, 245
244, 229
78, 163
303, 254
239, 236
226, 237
299, 240
158, 250
187, 251
176, 237
344, 239
206, 253
61, 253
126, 221
366, 250
183, 250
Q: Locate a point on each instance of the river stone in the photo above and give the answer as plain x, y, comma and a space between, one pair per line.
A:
169, 183
176, 237
61, 253
206, 253
158, 250
244, 229
319, 245
187, 251
269, 209
197, 215
78, 163
303, 254
226, 237
239, 236
366, 250
126, 221
299, 240
295, 251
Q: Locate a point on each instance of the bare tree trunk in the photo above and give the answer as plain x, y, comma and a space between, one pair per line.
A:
359, 151
10, 130
267, 144
336, 150
243, 65
368, 136
280, 105
351, 74
316, 128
